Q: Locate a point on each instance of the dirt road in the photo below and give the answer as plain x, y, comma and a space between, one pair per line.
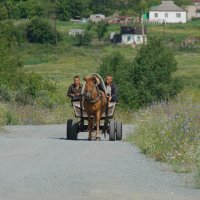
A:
37, 163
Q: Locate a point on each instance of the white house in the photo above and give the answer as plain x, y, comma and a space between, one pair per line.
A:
134, 36
167, 12
97, 18
74, 32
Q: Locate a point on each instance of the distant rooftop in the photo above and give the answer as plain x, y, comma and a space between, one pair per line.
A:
167, 6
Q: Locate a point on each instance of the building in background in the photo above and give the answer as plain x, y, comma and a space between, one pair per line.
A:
130, 36
75, 32
119, 20
97, 18
167, 12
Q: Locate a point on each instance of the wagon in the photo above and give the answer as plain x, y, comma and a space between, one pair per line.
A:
108, 126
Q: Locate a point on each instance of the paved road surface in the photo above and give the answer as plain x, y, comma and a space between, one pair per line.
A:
37, 163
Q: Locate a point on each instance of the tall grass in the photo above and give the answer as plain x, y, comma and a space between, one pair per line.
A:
170, 132
15, 114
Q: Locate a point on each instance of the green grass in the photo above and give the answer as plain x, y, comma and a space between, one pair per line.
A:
63, 62
189, 69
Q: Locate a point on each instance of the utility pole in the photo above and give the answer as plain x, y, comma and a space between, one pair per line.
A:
143, 32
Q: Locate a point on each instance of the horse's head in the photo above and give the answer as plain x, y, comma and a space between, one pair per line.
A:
90, 90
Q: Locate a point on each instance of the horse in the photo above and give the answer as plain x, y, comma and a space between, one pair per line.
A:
94, 102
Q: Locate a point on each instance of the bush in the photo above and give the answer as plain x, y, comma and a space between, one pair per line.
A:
11, 118
5, 93
8, 63
29, 85
46, 99
152, 73
101, 29
41, 31
147, 78
23, 97
84, 39
120, 68
3, 12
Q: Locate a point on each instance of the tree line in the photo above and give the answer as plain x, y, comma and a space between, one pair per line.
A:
67, 9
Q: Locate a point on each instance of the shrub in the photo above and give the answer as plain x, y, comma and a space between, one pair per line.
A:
152, 74
101, 29
41, 31
11, 118
3, 12
8, 64
23, 97
147, 78
29, 85
46, 99
5, 93
120, 68
84, 39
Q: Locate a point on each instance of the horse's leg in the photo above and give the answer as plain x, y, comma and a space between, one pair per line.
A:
98, 113
90, 126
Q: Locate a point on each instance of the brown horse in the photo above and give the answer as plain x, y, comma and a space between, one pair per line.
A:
94, 103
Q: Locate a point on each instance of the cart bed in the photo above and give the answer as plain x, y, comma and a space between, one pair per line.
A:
77, 110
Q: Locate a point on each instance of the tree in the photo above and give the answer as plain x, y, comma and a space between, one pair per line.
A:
121, 69
146, 79
40, 31
3, 12
101, 30
152, 74
84, 39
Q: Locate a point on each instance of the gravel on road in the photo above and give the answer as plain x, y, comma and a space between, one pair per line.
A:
37, 163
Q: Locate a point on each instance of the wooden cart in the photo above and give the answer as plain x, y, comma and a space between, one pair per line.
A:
108, 125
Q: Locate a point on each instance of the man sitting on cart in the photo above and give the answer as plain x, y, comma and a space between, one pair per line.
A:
111, 89
75, 89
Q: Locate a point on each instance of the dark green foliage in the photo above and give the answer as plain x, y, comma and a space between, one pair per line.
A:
5, 93
121, 68
83, 39
101, 30
67, 9
41, 31
145, 80
28, 87
3, 12
8, 63
152, 74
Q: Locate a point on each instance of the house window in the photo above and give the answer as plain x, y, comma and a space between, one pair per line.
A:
129, 38
138, 38
155, 14
178, 15
166, 15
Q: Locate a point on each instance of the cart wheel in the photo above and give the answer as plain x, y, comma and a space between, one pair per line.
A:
118, 130
69, 129
112, 130
72, 129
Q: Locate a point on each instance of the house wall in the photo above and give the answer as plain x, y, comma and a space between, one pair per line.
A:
172, 18
191, 12
132, 39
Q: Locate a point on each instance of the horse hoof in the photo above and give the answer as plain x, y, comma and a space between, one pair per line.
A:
98, 138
